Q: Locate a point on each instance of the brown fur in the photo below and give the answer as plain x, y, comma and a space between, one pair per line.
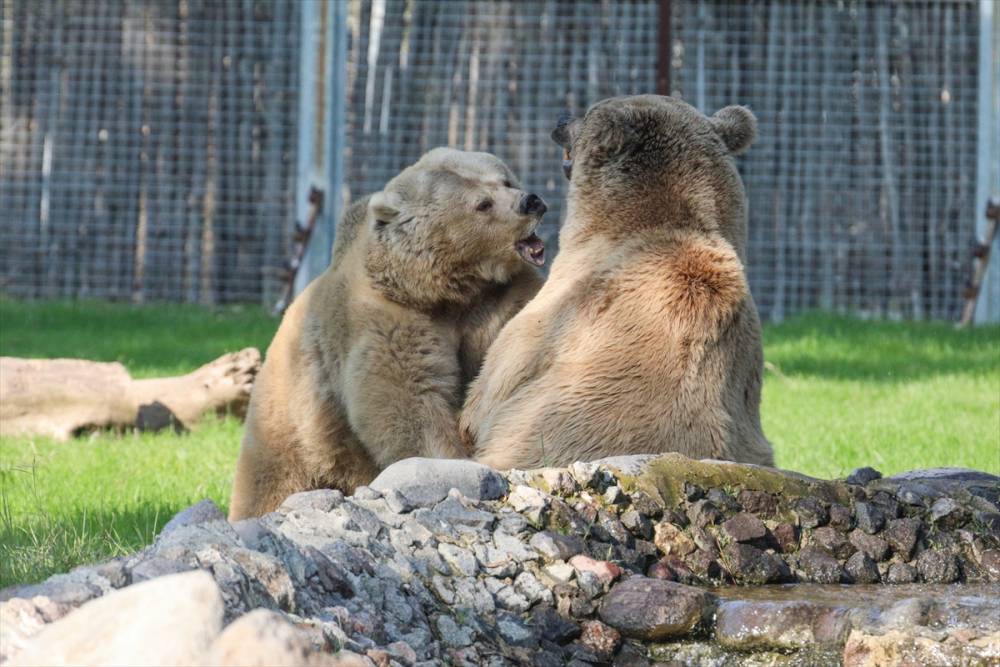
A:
371, 361
645, 337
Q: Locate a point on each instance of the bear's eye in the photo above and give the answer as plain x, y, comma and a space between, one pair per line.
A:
484, 205
508, 184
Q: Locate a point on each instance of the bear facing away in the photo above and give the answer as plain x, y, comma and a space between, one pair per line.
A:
371, 361
644, 338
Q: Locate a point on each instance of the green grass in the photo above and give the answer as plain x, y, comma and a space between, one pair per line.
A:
840, 393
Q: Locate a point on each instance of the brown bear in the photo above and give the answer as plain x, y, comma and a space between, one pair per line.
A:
644, 338
371, 361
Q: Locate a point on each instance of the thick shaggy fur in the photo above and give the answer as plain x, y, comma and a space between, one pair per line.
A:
371, 361
645, 337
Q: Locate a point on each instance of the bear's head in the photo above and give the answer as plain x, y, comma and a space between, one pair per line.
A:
648, 161
448, 227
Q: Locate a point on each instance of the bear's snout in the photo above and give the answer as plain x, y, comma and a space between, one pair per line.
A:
532, 204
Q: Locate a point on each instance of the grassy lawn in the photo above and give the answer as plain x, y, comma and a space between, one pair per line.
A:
839, 393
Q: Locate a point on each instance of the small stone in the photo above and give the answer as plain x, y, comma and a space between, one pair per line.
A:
654, 609
871, 545
454, 512
938, 567
508, 598
366, 493
646, 505
461, 561
587, 475
916, 494
723, 500
704, 540
862, 476
670, 539
639, 524
426, 482
553, 546
613, 527
322, 500
870, 519
902, 536
744, 528
703, 513
264, 637
946, 513
841, 517
560, 573
602, 639
661, 570
811, 512
990, 561
615, 496
201, 512
559, 481
682, 572
861, 569
397, 502
533, 590
705, 564
787, 537
750, 565
901, 573
819, 566
515, 632
402, 653
888, 504
832, 541
454, 634
553, 627
606, 571
526, 499
758, 502
693, 492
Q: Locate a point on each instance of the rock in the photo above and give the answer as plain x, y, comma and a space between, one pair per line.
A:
753, 625
661, 570
425, 482
750, 565
703, 513
873, 546
758, 503
461, 561
515, 632
587, 475
841, 517
605, 571
901, 573
938, 567
366, 493
787, 537
902, 536
602, 639
402, 653
811, 512
819, 566
532, 589
722, 500
870, 518
670, 539
744, 528
201, 512
655, 610
530, 502
454, 634
899, 648
861, 569
553, 627
638, 523
946, 513
452, 511
559, 573
167, 621
862, 476
558, 481
832, 541
553, 546
990, 560
705, 564
265, 637
321, 500
614, 495
397, 502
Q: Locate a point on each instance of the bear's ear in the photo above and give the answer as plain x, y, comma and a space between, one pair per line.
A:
737, 126
565, 130
384, 207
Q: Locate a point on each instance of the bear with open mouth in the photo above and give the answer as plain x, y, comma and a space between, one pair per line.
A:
644, 338
371, 361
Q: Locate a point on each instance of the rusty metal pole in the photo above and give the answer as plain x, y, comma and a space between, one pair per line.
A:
664, 49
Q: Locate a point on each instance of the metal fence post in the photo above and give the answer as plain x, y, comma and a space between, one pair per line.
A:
322, 71
988, 148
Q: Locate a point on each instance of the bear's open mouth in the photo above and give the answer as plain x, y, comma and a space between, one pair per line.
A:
531, 249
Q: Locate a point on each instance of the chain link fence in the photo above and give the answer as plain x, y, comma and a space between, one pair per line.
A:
148, 148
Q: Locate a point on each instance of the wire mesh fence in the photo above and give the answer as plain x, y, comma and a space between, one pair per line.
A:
147, 149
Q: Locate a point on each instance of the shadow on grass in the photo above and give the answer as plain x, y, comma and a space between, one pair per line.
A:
845, 348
